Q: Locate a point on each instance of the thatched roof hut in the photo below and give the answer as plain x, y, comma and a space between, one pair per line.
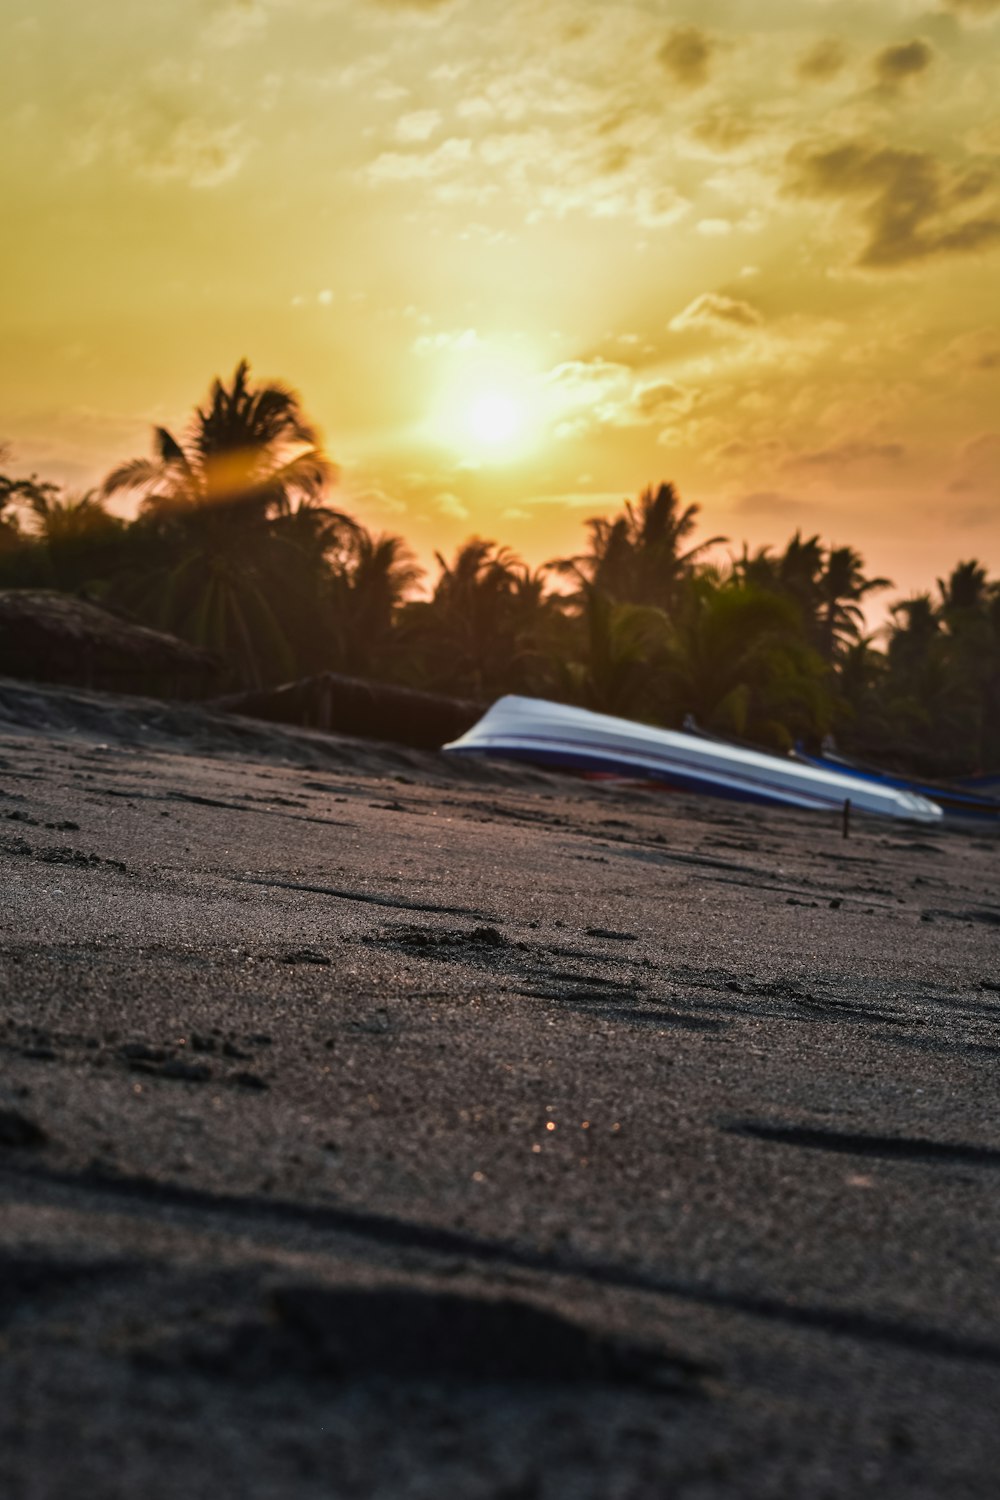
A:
53, 637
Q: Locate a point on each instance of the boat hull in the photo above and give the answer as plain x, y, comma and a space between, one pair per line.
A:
560, 737
959, 801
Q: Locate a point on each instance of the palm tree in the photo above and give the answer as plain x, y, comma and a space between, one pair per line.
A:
842, 586
81, 541
233, 528
737, 660
965, 588
484, 630
796, 575
250, 452
18, 492
826, 584
931, 698
10, 531
372, 577
970, 611
915, 626
622, 650
640, 557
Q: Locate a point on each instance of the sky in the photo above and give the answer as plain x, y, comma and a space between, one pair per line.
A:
523, 260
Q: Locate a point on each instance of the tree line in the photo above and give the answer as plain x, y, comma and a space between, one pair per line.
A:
235, 546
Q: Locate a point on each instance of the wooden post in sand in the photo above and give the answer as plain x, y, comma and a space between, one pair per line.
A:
847, 818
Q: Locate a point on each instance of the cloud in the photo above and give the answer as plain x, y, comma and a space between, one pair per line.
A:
749, 452
822, 61
984, 137
659, 397
447, 340
978, 467
846, 454
647, 406
419, 6
192, 151
974, 8
234, 22
374, 498
589, 393
713, 310
548, 173
540, 136
724, 131
202, 155
601, 393
418, 125
897, 65
588, 380
596, 501
415, 166
911, 205
970, 354
447, 504
686, 55
533, 90
768, 503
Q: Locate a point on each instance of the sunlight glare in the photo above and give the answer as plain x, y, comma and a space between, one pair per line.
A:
494, 417
484, 405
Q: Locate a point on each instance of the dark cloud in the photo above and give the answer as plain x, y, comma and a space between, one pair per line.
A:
615, 159
896, 65
768, 503
723, 130
987, 361
971, 354
843, 454
911, 205
687, 54
823, 60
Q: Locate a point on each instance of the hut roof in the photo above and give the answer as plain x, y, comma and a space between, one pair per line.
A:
58, 637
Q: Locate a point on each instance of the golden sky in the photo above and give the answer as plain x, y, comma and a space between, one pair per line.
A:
523, 259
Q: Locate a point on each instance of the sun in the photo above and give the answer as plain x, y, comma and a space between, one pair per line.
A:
483, 406
494, 417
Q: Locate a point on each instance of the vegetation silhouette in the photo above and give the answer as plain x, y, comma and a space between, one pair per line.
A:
232, 521
236, 547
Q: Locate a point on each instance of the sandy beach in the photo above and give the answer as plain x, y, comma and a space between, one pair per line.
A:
375, 1125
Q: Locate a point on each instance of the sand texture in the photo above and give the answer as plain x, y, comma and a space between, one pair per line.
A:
372, 1126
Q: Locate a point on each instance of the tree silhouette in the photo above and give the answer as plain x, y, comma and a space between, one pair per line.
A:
639, 557
964, 589
738, 662
620, 652
842, 586
250, 453
18, 494
373, 575
235, 547
483, 631
234, 528
827, 585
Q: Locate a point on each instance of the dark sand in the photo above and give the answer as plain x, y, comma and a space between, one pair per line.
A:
372, 1126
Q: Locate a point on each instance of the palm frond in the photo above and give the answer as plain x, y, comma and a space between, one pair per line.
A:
135, 474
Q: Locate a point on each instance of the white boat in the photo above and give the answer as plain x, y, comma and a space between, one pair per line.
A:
563, 738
